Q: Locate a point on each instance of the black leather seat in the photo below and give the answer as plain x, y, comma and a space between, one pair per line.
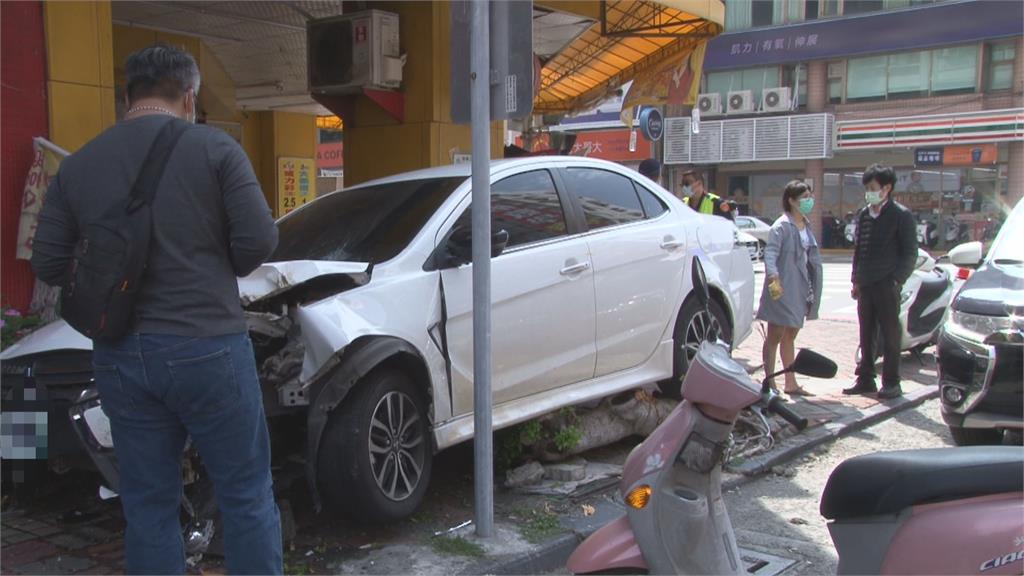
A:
888, 482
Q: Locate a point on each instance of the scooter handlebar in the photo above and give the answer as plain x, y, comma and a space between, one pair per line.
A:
777, 405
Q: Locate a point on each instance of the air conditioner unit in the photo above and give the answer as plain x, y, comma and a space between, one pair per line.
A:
837, 69
710, 104
740, 102
348, 53
777, 99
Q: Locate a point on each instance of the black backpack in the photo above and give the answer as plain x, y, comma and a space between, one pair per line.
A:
103, 280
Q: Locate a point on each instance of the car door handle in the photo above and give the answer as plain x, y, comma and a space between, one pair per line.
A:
671, 243
574, 269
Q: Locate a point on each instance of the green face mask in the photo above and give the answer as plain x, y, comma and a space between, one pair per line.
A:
806, 205
873, 197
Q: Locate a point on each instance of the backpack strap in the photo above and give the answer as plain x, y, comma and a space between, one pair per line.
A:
144, 188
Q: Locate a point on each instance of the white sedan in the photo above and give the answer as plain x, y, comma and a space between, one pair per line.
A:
757, 228
363, 321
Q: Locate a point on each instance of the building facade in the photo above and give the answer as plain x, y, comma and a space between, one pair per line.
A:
932, 88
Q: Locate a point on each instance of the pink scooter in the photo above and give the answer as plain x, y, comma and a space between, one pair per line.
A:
956, 511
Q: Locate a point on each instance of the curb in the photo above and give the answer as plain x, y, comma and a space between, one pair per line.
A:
554, 554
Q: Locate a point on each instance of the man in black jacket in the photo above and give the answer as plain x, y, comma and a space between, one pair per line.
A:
885, 251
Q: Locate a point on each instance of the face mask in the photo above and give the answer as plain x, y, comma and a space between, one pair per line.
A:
195, 106
806, 205
687, 191
873, 197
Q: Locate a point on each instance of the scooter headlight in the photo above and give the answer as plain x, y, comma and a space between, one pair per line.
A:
639, 497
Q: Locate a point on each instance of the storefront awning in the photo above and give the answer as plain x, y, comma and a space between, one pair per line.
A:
630, 37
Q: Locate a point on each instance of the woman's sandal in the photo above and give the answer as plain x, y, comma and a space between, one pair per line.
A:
799, 392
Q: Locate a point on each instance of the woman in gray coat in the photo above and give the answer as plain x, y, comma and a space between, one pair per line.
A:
793, 275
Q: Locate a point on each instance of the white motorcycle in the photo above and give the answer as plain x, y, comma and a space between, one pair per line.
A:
924, 300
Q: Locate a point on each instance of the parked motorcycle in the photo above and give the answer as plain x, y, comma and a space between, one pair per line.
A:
922, 512
924, 299
927, 233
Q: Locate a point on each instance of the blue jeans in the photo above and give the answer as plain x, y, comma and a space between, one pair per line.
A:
158, 391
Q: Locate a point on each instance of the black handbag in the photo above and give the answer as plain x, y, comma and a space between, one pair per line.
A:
102, 282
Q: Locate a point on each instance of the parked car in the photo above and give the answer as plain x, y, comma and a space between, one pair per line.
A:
362, 322
757, 228
754, 247
981, 365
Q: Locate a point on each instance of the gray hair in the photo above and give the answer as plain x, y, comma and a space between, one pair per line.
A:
160, 71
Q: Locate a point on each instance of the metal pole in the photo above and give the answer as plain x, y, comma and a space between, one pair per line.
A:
480, 98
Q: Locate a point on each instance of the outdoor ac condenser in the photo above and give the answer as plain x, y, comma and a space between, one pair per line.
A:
740, 102
710, 104
354, 51
777, 99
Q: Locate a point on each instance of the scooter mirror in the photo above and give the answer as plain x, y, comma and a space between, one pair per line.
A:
810, 363
700, 282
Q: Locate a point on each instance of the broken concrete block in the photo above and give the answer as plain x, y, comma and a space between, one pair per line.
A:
529, 473
566, 471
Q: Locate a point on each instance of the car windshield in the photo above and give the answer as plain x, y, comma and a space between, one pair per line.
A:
1009, 244
371, 224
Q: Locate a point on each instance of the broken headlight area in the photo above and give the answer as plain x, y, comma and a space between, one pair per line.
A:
280, 353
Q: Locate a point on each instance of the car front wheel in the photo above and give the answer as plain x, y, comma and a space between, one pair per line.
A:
375, 458
693, 326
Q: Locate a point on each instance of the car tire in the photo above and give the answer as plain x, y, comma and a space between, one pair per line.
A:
690, 331
376, 455
976, 436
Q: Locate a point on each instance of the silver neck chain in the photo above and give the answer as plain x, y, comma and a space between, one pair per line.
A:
150, 109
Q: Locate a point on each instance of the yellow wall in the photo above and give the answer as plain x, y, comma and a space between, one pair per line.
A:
80, 73
267, 136
377, 145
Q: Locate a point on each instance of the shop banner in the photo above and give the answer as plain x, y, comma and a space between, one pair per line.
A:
610, 145
295, 180
941, 24
330, 156
44, 167
674, 81
976, 155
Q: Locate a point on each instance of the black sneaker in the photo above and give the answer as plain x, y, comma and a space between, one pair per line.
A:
890, 392
860, 388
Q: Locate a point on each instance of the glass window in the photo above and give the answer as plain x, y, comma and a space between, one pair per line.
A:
653, 206
829, 8
526, 206
862, 6
737, 14
796, 74
753, 79
762, 13
372, 224
954, 69
908, 75
866, 79
999, 73
608, 199
811, 9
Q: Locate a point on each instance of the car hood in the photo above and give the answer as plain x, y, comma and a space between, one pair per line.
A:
991, 289
269, 280
275, 278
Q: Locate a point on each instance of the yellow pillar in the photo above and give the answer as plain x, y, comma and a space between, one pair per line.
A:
376, 144
269, 136
80, 71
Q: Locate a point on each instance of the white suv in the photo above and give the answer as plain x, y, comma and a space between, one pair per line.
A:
362, 324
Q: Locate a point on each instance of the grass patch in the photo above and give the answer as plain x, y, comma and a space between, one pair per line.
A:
539, 525
457, 546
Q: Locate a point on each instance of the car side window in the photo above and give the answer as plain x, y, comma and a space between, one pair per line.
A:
744, 223
608, 199
526, 206
653, 206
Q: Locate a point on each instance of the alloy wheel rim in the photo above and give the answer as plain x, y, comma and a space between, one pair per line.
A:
697, 332
397, 446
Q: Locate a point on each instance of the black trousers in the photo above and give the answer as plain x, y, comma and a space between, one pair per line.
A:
878, 309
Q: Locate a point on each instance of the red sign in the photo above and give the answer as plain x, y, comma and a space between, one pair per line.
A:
605, 144
330, 156
970, 155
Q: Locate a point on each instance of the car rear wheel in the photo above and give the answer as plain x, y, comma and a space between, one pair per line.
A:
692, 328
976, 436
375, 458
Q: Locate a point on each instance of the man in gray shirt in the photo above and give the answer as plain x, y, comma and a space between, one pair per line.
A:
187, 367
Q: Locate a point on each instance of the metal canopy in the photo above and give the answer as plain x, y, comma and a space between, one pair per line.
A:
631, 36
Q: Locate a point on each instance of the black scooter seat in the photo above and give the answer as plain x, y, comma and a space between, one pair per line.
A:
888, 482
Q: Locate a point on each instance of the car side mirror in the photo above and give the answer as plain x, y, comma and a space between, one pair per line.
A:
967, 255
810, 363
458, 249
